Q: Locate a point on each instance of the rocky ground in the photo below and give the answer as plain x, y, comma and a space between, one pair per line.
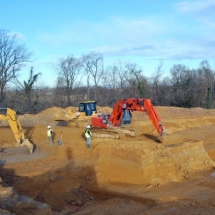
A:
124, 176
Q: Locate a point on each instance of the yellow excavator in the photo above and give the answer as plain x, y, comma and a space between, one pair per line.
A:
11, 117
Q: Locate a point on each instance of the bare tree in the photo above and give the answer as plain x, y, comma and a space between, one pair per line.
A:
27, 86
59, 93
136, 79
114, 80
93, 66
165, 91
184, 86
12, 59
155, 83
86, 66
108, 84
177, 73
207, 77
121, 72
68, 70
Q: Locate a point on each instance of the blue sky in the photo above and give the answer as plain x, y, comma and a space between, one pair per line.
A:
145, 32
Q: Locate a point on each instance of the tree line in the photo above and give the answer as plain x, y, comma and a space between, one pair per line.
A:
87, 78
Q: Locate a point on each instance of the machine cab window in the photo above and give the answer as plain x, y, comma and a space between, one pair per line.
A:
88, 107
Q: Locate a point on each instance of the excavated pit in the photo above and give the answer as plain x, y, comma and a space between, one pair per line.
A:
129, 176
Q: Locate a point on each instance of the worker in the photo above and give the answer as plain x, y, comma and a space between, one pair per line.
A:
50, 134
88, 135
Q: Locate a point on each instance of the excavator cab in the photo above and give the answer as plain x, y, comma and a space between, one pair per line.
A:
126, 118
89, 107
81, 118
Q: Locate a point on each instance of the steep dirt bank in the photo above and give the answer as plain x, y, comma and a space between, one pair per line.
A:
133, 175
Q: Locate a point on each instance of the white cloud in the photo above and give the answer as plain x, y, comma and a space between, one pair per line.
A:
112, 32
167, 37
195, 6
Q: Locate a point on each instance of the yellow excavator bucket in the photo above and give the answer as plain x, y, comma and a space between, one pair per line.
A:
28, 144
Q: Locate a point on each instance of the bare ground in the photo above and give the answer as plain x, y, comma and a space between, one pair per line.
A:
129, 176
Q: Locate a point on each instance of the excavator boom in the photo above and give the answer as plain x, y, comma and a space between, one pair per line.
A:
10, 116
154, 116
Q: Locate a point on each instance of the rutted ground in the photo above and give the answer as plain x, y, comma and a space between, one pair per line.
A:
129, 176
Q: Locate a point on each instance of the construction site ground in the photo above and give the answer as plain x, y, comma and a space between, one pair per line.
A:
125, 176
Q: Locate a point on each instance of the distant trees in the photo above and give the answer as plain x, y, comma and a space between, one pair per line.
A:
13, 56
192, 88
207, 84
180, 85
87, 78
136, 80
183, 88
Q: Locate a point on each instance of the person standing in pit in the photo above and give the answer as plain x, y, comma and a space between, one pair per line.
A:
88, 135
50, 134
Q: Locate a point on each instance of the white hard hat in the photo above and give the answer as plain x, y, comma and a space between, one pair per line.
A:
88, 126
48, 126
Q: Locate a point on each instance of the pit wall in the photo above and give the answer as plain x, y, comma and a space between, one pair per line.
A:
150, 165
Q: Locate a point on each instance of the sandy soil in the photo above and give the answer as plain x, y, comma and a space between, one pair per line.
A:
125, 176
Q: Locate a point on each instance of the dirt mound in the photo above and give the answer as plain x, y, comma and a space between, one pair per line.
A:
150, 164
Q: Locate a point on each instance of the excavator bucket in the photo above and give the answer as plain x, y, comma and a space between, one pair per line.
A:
169, 138
28, 144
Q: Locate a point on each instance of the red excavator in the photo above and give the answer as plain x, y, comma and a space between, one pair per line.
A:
121, 117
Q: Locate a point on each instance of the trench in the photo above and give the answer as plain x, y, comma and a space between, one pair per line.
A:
61, 188
68, 188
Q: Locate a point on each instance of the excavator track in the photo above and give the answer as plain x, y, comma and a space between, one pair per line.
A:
106, 133
114, 133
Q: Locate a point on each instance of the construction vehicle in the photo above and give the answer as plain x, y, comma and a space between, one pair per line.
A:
117, 123
11, 117
80, 118
121, 117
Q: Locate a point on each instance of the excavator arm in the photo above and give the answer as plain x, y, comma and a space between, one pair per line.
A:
11, 117
133, 104
154, 116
